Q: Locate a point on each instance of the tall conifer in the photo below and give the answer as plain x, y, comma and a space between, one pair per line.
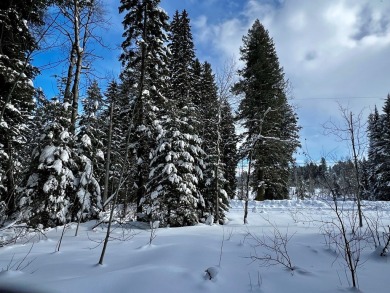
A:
144, 60
17, 43
177, 162
271, 131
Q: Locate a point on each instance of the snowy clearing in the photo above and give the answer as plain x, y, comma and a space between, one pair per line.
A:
189, 259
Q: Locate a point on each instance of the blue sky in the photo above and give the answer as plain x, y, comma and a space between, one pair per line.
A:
332, 51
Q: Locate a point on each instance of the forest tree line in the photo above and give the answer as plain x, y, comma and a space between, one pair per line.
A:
160, 138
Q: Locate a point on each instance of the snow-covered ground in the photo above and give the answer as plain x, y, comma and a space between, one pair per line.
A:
178, 257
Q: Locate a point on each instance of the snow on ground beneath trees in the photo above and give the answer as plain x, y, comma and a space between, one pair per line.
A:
189, 259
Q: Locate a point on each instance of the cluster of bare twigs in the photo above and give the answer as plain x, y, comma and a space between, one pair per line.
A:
275, 246
20, 265
20, 233
380, 233
346, 237
386, 237
126, 233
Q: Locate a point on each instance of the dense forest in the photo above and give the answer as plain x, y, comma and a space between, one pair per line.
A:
162, 141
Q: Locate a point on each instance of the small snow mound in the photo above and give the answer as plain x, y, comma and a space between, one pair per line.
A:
210, 220
211, 273
155, 224
147, 246
10, 273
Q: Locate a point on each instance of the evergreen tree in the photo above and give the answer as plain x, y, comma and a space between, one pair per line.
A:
91, 132
196, 91
379, 153
144, 59
177, 160
229, 148
48, 195
117, 120
17, 43
181, 61
90, 152
375, 149
271, 131
216, 197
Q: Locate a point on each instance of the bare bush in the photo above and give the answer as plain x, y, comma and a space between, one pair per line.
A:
274, 246
19, 265
346, 237
19, 233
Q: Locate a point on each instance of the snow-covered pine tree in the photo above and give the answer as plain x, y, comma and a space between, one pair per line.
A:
271, 131
379, 152
216, 197
35, 124
177, 160
144, 61
48, 196
17, 43
90, 152
116, 119
176, 169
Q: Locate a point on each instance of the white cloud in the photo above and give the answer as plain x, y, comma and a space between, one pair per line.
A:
330, 49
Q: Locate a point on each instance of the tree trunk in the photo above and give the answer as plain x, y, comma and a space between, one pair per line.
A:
356, 162
217, 217
108, 159
141, 152
247, 189
67, 92
10, 200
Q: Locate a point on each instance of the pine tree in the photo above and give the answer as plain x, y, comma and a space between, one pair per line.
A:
90, 152
374, 132
216, 197
17, 44
229, 148
177, 160
91, 133
379, 152
117, 120
144, 59
48, 195
182, 57
271, 131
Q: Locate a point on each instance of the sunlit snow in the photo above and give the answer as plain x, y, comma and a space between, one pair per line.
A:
202, 258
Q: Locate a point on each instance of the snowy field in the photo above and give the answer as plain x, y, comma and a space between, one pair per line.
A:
178, 257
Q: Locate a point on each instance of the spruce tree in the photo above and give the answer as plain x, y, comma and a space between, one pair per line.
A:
177, 160
215, 195
374, 132
271, 131
17, 43
144, 60
229, 148
91, 132
48, 196
379, 152
90, 152
117, 120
